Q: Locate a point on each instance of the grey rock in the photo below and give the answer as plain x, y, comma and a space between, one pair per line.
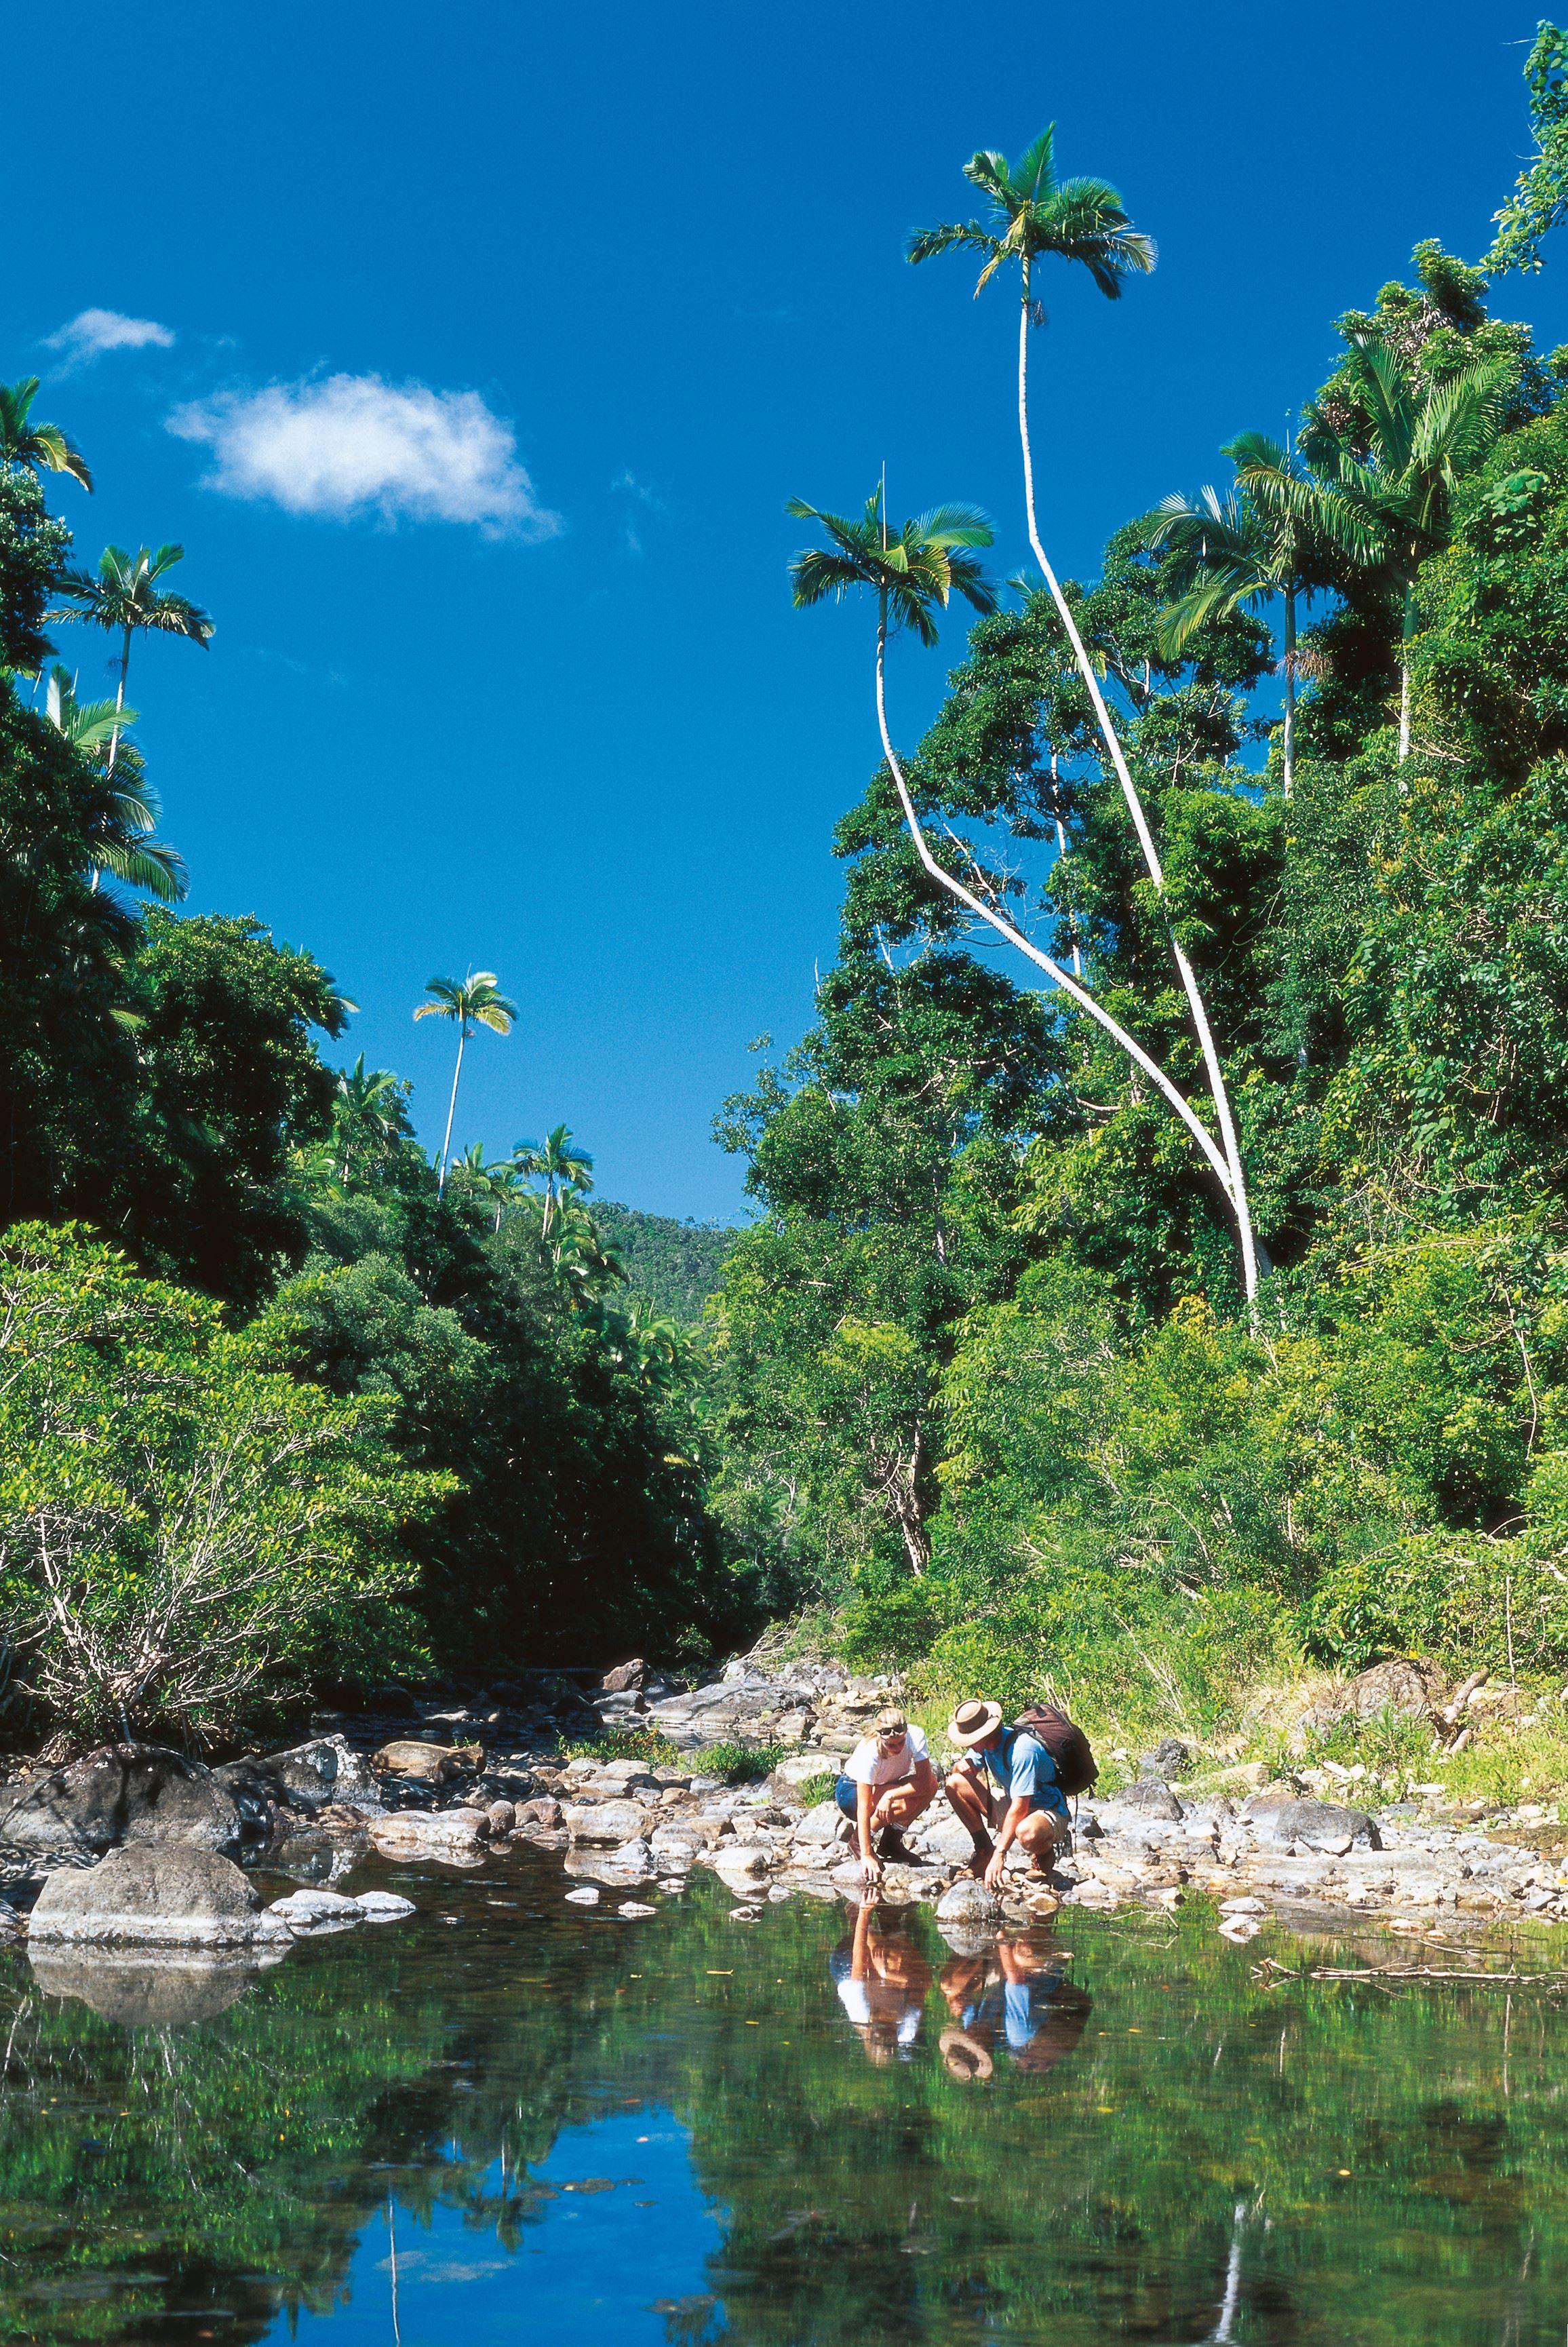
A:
968, 1901
945, 1837
1408, 1687
1170, 1759
420, 1833
306, 1776
624, 1677
1314, 1825
135, 1793
173, 1895
607, 1821
820, 1825
301, 1909
1151, 1798
383, 1906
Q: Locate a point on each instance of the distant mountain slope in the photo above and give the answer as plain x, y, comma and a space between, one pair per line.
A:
675, 1264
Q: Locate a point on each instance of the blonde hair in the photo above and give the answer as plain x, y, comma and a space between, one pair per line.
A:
890, 1722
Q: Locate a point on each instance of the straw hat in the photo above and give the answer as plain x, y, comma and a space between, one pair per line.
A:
974, 1721
963, 2056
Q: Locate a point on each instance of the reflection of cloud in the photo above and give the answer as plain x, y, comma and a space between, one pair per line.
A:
92, 331
424, 2266
353, 444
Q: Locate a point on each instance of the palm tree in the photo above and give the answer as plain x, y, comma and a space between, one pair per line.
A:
910, 571
43, 445
565, 1171
470, 1003
368, 1113
121, 844
1033, 215
1397, 468
123, 596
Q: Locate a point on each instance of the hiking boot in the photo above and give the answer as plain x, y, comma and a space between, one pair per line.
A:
892, 1846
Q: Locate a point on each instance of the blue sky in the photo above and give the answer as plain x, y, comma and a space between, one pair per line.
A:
499, 334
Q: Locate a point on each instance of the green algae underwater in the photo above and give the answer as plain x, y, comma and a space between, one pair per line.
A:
512, 2115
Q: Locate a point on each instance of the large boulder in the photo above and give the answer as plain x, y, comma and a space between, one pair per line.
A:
1408, 1686
968, 1901
1151, 1797
172, 1895
133, 1793
1314, 1825
307, 1776
820, 1825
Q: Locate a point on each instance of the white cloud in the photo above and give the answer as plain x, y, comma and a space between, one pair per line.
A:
352, 444
92, 331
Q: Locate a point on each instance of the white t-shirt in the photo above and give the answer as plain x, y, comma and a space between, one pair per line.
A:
869, 1765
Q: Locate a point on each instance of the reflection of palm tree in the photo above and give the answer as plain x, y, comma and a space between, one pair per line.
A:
470, 1003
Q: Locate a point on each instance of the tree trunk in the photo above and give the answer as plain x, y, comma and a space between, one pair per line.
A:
1289, 689
451, 1109
1236, 1179
119, 701
1070, 987
1061, 852
1407, 630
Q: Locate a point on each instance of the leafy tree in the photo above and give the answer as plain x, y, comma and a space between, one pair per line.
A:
1540, 197
183, 1525
470, 1003
33, 549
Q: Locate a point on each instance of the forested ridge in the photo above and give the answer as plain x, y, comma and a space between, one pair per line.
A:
1158, 1278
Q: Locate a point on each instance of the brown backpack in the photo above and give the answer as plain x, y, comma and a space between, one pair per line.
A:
1076, 1766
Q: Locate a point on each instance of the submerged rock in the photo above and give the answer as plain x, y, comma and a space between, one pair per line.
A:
174, 1895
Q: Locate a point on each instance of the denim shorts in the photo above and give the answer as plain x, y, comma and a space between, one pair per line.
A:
845, 1793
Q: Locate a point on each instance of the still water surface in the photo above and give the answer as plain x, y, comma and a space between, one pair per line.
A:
510, 2118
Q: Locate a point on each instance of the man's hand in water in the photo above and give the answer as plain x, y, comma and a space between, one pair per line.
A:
993, 1873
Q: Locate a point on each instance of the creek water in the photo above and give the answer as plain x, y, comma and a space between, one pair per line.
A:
510, 2117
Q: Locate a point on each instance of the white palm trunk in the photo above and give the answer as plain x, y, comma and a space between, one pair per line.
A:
1236, 1178
1177, 1100
1406, 630
1289, 689
451, 1108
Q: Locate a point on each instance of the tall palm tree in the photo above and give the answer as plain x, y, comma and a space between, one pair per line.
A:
122, 846
565, 1171
1031, 215
123, 596
470, 1003
43, 445
1399, 467
913, 571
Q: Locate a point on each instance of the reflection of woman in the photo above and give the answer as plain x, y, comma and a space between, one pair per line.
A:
1021, 1998
883, 1981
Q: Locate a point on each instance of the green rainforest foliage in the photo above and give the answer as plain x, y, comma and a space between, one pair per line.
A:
1158, 1276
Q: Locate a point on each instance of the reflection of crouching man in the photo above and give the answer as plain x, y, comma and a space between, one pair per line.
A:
1005, 1781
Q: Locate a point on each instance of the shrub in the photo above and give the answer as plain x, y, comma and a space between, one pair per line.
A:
179, 1517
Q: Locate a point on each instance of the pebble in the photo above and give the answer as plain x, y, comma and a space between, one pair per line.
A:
586, 1897
635, 1907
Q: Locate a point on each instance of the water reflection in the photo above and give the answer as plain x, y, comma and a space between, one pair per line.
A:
883, 1981
807, 2132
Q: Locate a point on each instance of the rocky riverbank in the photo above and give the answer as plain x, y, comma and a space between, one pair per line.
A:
131, 1843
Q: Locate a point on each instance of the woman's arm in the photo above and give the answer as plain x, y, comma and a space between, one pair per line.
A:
870, 1865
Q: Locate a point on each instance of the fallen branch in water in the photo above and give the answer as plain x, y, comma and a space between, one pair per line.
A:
1272, 1973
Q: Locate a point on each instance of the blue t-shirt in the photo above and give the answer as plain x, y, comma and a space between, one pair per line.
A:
1020, 1766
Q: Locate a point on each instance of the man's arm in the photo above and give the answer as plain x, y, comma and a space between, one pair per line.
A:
1014, 1816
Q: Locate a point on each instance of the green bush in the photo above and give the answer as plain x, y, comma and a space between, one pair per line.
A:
181, 1521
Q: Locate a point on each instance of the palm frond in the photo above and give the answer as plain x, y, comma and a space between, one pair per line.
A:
950, 236
1034, 173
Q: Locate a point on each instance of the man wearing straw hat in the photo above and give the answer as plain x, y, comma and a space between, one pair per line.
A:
1005, 1779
